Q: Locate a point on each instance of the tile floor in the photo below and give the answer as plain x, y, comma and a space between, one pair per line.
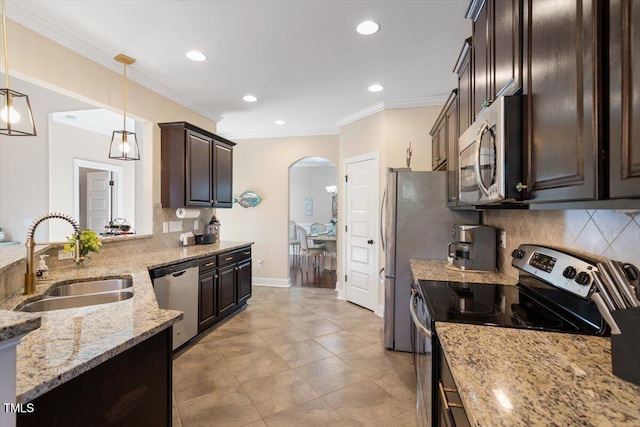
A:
294, 357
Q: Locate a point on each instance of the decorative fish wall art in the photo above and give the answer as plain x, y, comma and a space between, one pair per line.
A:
248, 199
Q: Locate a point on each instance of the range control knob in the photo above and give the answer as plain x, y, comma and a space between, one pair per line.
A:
582, 278
569, 272
517, 253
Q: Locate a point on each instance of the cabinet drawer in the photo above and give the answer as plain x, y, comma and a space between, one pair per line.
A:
233, 257
207, 263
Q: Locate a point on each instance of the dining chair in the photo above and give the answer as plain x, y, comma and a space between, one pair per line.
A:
294, 239
317, 227
308, 251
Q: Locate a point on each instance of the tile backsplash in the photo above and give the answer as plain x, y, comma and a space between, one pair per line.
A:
596, 233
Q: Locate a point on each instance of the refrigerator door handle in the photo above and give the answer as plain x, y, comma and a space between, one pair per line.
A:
384, 198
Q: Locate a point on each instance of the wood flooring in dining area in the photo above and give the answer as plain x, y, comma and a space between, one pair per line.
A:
310, 277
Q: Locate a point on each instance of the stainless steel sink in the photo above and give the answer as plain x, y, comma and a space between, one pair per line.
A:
90, 287
59, 303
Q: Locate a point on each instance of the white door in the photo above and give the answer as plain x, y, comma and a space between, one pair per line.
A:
98, 200
361, 285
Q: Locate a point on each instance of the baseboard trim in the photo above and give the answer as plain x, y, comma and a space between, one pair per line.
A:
379, 311
274, 283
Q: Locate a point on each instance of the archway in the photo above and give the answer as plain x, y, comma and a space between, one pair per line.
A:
313, 185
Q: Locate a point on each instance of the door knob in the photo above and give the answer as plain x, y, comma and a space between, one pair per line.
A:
370, 242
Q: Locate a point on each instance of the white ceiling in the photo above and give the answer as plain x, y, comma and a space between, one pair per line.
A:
302, 59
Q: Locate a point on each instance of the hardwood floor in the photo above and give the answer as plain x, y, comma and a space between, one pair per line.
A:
311, 277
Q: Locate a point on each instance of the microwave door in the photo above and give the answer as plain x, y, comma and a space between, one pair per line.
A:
469, 189
486, 161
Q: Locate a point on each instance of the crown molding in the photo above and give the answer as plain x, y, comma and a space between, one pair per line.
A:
423, 101
279, 134
34, 23
376, 108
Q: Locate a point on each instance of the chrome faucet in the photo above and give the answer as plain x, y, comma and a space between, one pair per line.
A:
30, 275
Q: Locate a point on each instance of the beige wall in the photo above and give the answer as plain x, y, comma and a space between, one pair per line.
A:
388, 133
409, 124
311, 182
262, 165
39, 60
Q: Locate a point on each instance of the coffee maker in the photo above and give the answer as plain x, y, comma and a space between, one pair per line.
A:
473, 247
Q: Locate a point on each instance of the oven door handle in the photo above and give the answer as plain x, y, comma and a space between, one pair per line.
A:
414, 316
476, 167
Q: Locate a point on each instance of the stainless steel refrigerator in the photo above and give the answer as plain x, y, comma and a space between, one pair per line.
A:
416, 224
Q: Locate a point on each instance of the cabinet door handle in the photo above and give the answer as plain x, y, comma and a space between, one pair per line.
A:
247, 253
443, 395
228, 258
215, 277
209, 264
237, 268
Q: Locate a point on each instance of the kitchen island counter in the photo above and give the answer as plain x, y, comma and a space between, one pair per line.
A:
72, 341
514, 377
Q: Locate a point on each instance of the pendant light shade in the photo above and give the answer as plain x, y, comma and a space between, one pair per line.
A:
124, 143
16, 118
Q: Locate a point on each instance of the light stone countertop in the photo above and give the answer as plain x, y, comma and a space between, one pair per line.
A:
72, 341
515, 377
14, 324
440, 270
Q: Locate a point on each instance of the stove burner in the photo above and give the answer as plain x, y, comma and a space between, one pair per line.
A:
522, 316
470, 306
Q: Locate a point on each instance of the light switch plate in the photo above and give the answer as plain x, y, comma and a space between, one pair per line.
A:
165, 227
175, 226
196, 225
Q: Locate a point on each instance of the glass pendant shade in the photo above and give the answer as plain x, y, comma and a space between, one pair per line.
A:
124, 146
16, 118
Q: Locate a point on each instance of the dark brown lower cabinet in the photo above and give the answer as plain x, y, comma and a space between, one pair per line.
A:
244, 278
130, 389
225, 286
227, 289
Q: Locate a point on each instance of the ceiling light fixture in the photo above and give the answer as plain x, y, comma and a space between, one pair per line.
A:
250, 98
367, 28
196, 56
375, 87
280, 122
124, 144
14, 106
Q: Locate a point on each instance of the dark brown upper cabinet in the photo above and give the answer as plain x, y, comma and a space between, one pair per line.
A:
465, 87
197, 167
497, 52
562, 95
624, 99
444, 133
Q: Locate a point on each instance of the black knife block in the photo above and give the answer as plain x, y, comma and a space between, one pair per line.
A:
625, 347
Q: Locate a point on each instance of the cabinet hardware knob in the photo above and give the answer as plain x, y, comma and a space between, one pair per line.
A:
237, 268
370, 242
216, 276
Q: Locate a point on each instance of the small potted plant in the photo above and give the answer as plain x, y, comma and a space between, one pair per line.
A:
89, 242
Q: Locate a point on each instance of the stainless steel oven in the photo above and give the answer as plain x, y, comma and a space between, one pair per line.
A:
552, 294
490, 156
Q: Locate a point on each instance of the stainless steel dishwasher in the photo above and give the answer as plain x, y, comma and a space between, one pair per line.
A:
176, 288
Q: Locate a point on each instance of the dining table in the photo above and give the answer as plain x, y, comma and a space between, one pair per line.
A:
330, 245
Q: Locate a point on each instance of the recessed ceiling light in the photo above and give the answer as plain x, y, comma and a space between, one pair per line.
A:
375, 88
197, 56
280, 122
367, 28
250, 98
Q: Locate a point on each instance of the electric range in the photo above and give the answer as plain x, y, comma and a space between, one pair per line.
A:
552, 294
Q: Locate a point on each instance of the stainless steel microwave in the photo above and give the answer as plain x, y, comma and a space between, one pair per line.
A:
490, 154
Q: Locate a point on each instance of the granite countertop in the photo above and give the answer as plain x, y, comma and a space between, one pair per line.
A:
440, 270
514, 377
72, 341
13, 324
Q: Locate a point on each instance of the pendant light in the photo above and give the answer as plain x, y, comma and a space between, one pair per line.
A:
124, 144
16, 118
